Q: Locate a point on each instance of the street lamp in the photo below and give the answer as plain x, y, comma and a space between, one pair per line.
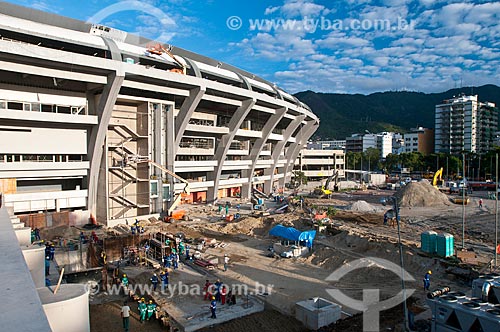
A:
395, 206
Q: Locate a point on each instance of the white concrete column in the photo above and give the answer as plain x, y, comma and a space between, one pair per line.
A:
273, 121
98, 134
294, 149
224, 144
278, 149
186, 112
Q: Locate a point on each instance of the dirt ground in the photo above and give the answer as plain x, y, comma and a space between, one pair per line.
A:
356, 235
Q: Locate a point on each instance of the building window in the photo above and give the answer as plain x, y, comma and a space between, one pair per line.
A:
153, 188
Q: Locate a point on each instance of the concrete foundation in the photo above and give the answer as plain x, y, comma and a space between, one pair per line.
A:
191, 317
35, 259
68, 310
317, 312
23, 236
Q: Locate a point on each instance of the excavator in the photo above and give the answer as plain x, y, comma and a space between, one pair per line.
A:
158, 49
171, 214
324, 191
437, 180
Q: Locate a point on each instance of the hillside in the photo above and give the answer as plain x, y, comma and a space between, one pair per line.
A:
344, 114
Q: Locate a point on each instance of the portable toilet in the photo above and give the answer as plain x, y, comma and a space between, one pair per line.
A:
428, 242
445, 245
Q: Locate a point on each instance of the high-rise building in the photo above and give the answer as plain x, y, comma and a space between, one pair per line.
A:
465, 124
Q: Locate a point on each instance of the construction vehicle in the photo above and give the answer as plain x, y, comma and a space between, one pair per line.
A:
437, 180
158, 49
171, 214
324, 191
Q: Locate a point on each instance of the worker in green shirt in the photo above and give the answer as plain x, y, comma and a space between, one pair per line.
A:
151, 307
142, 310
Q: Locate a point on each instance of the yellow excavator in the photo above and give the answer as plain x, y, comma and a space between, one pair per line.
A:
170, 212
437, 180
324, 191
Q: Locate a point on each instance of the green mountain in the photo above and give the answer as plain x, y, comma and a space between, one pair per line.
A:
344, 114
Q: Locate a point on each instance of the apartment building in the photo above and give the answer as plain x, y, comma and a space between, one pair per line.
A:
93, 122
360, 142
419, 140
465, 124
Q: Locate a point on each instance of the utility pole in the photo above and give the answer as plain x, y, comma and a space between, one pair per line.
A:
496, 210
463, 200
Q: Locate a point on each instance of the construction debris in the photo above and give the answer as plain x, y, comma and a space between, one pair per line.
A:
421, 194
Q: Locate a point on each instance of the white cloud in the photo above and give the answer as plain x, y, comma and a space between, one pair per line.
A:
302, 8
270, 10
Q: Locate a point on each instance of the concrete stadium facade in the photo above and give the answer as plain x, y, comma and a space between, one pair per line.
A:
78, 100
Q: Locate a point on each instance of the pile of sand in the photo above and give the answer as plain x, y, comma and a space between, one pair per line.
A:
421, 194
362, 206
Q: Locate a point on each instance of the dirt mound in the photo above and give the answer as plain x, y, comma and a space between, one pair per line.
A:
362, 206
67, 232
421, 194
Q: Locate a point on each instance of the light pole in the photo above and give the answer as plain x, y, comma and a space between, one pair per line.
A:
395, 207
496, 210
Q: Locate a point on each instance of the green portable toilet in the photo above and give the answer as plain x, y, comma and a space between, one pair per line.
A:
428, 242
445, 245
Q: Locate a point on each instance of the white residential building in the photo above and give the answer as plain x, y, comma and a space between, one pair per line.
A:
465, 124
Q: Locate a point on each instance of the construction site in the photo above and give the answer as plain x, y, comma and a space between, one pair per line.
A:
277, 252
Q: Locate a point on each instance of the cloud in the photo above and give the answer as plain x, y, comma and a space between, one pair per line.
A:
449, 41
270, 10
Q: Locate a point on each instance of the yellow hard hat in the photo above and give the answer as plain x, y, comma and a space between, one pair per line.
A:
142, 299
150, 301
213, 297
430, 272
124, 275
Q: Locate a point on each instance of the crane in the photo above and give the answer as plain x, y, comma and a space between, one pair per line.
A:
140, 159
158, 49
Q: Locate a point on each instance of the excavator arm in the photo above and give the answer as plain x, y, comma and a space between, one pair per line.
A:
438, 177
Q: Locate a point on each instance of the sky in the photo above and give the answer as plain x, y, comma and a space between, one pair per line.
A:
339, 46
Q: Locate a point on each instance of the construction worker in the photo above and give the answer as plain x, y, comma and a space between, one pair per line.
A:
32, 235
187, 252
427, 280
217, 285
223, 293
164, 279
125, 314
154, 281
213, 307
47, 265
480, 203
175, 259
142, 310
168, 262
125, 284
226, 262
151, 307
206, 290
52, 252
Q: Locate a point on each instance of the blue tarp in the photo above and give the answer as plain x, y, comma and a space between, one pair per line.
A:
293, 234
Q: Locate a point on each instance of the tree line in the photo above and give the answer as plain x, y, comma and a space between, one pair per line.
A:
477, 167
